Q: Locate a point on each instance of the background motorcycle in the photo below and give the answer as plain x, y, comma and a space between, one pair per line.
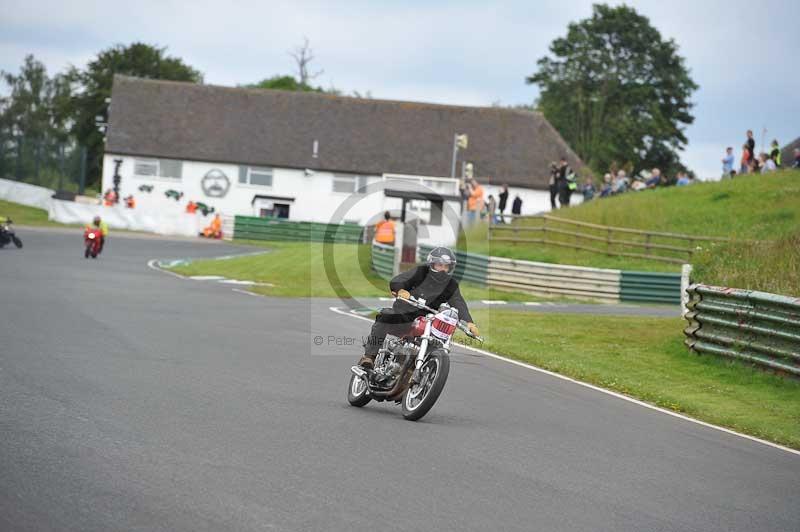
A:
8, 235
91, 239
411, 370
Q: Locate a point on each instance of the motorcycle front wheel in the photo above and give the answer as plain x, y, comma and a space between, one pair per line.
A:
433, 375
87, 252
17, 242
357, 391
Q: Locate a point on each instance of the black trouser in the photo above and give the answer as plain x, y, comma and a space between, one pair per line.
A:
379, 332
564, 194
553, 194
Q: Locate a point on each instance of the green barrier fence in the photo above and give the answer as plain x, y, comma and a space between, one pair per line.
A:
255, 228
757, 327
383, 259
469, 266
650, 287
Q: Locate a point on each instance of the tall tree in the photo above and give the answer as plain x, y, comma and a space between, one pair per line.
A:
138, 59
34, 120
617, 91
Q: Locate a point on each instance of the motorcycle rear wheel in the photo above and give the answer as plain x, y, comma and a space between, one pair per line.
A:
420, 398
17, 241
357, 391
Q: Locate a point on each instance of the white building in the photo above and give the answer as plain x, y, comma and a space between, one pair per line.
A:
317, 157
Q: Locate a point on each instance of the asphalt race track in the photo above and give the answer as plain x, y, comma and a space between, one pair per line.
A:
134, 400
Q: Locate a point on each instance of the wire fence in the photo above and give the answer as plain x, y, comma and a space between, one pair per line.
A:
51, 163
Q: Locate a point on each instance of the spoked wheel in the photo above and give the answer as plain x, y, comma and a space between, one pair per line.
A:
357, 391
433, 376
17, 241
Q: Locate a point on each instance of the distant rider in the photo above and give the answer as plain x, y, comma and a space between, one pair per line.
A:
97, 223
433, 282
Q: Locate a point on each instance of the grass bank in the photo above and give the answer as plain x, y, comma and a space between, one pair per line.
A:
24, 215
300, 269
645, 358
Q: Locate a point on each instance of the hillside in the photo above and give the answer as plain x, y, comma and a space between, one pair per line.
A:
764, 208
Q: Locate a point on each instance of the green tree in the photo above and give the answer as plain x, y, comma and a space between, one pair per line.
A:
617, 91
34, 122
284, 83
95, 81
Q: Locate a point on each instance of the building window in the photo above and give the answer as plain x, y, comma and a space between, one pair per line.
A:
145, 167
349, 184
169, 168
255, 175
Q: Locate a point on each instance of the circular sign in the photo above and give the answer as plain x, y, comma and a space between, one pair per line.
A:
215, 184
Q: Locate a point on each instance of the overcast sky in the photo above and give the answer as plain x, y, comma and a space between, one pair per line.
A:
743, 54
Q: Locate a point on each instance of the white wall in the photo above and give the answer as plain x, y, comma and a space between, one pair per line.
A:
533, 201
314, 198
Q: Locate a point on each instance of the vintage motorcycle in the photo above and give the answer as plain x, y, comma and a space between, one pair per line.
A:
411, 370
7, 234
92, 238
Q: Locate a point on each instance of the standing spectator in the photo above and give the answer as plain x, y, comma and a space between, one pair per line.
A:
130, 202
727, 163
767, 164
796, 163
683, 179
745, 162
503, 201
564, 190
607, 188
474, 201
588, 189
516, 207
385, 230
775, 153
491, 209
553, 185
751, 145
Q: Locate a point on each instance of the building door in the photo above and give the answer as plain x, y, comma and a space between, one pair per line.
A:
281, 210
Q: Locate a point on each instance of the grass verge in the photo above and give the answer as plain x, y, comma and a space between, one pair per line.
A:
650, 362
297, 269
24, 215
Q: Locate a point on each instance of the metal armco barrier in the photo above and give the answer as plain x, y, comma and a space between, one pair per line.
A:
753, 326
255, 228
543, 279
383, 259
650, 286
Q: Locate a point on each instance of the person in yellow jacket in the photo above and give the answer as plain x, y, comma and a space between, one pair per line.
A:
100, 224
385, 230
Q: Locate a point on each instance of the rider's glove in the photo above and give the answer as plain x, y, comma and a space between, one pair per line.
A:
403, 294
473, 329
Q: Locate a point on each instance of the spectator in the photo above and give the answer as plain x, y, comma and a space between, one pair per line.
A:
553, 185
564, 180
727, 163
775, 153
191, 207
796, 163
683, 180
214, 230
491, 209
607, 187
746, 159
655, 179
474, 201
767, 164
503, 201
130, 202
620, 184
516, 207
751, 145
385, 230
588, 189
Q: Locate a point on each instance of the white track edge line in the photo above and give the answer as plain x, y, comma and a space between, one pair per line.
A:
245, 292
605, 391
153, 265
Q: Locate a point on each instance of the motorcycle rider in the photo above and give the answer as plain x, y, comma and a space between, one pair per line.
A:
100, 224
432, 281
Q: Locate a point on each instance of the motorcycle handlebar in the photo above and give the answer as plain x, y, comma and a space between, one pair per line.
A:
462, 325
